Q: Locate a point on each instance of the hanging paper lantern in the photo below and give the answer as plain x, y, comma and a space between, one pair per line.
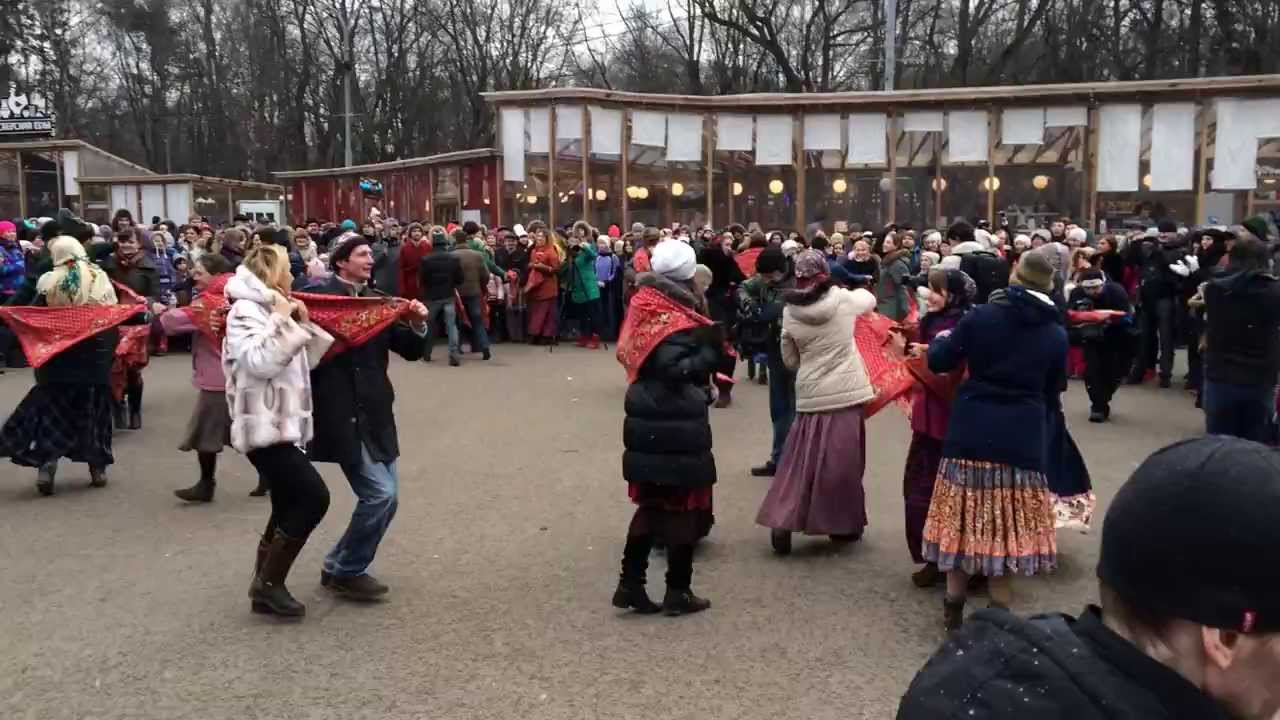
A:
737, 189
775, 187
1040, 182
839, 186
677, 189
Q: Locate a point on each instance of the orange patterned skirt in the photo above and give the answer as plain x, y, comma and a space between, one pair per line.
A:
990, 519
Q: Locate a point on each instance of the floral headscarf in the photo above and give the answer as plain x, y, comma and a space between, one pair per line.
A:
74, 280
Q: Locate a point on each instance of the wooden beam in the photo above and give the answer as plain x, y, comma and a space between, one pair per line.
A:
993, 127
800, 166
586, 166
553, 198
22, 186
1202, 171
708, 132
937, 174
729, 166
626, 161
1091, 160
891, 128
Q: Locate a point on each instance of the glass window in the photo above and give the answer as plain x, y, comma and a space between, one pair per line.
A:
9, 206
1037, 184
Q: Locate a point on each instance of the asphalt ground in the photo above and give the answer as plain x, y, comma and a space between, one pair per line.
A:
124, 602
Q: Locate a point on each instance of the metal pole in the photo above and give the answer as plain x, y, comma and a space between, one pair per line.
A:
890, 41
346, 85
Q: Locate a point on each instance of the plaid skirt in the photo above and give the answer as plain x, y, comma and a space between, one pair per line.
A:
60, 420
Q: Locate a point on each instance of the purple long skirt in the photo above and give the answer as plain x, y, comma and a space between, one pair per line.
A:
918, 478
817, 489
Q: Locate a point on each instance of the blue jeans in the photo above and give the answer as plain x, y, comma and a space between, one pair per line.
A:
377, 489
782, 404
479, 336
448, 311
1245, 411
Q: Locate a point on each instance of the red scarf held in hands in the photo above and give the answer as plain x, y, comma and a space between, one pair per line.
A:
747, 260
352, 321
887, 368
44, 332
651, 318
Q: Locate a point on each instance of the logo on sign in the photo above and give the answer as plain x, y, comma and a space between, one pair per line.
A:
25, 115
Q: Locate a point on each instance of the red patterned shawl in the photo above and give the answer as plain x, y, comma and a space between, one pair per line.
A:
747, 260
46, 331
651, 318
209, 305
886, 367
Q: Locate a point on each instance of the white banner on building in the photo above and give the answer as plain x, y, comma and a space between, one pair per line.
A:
1235, 150
1119, 147
822, 132
1071, 116
774, 140
967, 139
684, 137
922, 121
733, 132
648, 128
867, 139
1173, 146
606, 131
568, 122
513, 144
1022, 126
539, 130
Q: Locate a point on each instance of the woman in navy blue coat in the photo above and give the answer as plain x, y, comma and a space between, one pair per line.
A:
991, 513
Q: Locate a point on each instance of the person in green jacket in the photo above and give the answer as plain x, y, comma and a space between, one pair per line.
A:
583, 285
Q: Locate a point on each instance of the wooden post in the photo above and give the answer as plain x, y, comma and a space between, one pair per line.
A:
231, 207
502, 177
57, 166
1203, 171
729, 181
626, 161
22, 186
992, 128
554, 195
708, 130
1092, 178
1084, 167
431, 192
892, 131
800, 163
937, 176
586, 165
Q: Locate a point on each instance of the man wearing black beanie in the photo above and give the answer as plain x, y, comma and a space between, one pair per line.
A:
760, 312
1189, 624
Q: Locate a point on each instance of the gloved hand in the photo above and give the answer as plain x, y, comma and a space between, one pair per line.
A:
1192, 262
1180, 269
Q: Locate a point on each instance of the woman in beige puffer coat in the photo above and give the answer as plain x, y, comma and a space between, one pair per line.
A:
818, 486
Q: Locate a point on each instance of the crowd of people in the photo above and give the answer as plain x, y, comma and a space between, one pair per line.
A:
973, 332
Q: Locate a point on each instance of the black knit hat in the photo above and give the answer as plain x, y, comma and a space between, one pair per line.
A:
771, 260
1192, 534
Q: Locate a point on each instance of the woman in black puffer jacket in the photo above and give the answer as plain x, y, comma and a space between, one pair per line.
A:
670, 350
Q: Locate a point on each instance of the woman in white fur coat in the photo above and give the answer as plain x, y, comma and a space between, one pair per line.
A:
267, 357
818, 489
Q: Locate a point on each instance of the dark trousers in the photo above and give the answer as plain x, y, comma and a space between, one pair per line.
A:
588, 316
299, 497
782, 404
1245, 411
479, 335
678, 530
1159, 335
1106, 362
1195, 362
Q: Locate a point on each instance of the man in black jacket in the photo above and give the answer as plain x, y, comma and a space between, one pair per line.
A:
1189, 624
355, 426
1165, 266
1106, 341
440, 275
1242, 315
989, 271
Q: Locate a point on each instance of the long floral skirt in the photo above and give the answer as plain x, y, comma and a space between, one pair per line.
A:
989, 519
817, 489
923, 458
60, 420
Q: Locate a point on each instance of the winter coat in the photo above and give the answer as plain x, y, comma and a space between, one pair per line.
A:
386, 266
989, 271
1242, 312
817, 343
206, 357
475, 272
354, 396
13, 269
1002, 667
1016, 349
892, 298
760, 309
607, 267
140, 277
411, 256
517, 260
1154, 259
439, 275
667, 430
266, 359
581, 275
